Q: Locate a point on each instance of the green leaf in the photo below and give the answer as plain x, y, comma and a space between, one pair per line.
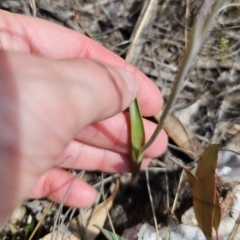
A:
205, 197
28, 228
137, 137
110, 235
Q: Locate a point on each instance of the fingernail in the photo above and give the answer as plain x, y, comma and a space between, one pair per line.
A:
130, 79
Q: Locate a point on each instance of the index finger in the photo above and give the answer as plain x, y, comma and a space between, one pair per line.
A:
46, 39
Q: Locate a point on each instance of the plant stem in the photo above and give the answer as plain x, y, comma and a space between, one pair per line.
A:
203, 23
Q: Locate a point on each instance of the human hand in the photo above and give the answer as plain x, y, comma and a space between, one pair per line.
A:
59, 109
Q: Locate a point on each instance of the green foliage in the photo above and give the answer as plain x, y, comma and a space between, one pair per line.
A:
28, 228
137, 137
223, 46
205, 196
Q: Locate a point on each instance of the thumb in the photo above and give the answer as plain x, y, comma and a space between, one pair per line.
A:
98, 90
74, 92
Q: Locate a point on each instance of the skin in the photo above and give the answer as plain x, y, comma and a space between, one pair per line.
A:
62, 102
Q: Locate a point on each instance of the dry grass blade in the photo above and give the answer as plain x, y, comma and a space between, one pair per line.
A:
81, 221
41, 220
177, 193
33, 6
97, 218
140, 32
55, 234
100, 215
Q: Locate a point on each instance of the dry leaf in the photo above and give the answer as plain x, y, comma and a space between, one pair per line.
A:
205, 196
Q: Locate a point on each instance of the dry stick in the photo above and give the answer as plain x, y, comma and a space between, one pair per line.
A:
137, 38
83, 225
180, 149
41, 220
68, 214
229, 150
176, 196
109, 179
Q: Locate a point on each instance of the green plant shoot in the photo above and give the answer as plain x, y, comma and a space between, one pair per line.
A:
137, 137
137, 41
203, 24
